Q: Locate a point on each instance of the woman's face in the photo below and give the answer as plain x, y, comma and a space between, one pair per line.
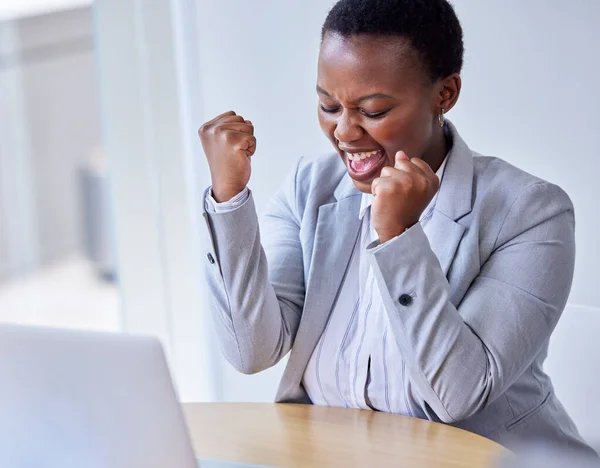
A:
375, 99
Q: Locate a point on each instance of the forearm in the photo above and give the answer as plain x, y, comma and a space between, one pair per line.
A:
255, 327
459, 362
445, 361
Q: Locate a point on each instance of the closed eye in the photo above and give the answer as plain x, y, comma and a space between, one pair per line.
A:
330, 110
375, 115
371, 115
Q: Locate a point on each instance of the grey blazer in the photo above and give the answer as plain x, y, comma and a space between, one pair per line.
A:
488, 286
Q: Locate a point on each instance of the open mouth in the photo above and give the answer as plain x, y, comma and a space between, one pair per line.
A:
366, 165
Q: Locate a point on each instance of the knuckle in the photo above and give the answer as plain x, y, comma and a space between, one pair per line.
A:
203, 130
396, 188
409, 183
422, 182
386, 188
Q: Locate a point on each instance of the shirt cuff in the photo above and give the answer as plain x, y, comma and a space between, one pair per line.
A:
212, 206
376, 245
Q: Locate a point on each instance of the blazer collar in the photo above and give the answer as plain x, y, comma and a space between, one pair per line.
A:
456, 191
346, 188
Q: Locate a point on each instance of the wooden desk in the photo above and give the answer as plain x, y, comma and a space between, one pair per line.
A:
315, 436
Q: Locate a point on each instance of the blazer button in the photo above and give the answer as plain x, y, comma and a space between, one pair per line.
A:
405, 300
211, 259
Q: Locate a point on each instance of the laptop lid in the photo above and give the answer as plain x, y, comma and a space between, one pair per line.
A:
87, 400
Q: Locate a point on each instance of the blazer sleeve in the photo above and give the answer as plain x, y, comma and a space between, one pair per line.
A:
256, 289
461, 359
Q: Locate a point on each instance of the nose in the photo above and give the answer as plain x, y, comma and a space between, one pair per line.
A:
346, 129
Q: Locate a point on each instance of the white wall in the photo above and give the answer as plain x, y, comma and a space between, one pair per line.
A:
530, 96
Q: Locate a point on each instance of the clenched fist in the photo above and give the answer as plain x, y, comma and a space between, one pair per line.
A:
401, 195
229, 142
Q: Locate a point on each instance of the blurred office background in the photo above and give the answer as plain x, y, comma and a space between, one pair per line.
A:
50, 143
101, 173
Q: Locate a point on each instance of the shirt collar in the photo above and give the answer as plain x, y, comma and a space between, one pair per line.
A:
367, 198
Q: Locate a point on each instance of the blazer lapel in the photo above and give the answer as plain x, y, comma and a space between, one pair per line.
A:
337, 231
454, 202
444, 235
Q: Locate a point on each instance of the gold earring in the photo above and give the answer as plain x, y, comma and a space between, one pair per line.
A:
441, 118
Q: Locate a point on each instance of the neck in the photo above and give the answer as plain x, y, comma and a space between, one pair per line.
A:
437, 151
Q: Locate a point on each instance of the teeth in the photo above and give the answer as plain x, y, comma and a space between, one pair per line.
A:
359, 156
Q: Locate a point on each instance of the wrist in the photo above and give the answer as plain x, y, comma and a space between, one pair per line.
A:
388, 235
222, 195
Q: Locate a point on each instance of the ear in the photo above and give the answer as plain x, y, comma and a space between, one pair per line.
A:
448, 90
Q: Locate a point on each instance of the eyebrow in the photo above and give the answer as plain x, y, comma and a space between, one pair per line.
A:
360, 99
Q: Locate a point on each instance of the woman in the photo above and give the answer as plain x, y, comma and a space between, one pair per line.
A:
405, 273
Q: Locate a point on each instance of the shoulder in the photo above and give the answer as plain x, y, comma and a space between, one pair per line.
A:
325, 171
514, 200
317, 178
495, 178
310, 184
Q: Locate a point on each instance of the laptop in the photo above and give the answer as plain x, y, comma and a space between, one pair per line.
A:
75, 399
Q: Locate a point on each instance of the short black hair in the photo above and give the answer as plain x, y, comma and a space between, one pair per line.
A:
430, 26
